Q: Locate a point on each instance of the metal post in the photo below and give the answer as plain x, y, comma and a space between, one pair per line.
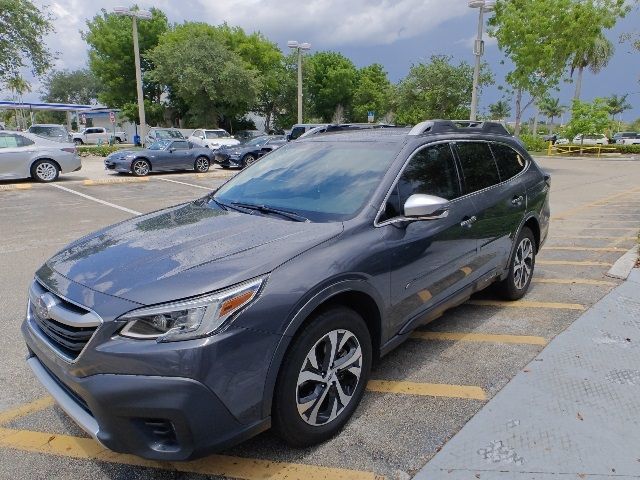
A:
299, 85
136, 52
476, 72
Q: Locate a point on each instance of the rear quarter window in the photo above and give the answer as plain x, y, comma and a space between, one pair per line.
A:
510, 163
478, 166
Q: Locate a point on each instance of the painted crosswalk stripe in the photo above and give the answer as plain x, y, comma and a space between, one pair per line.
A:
427, 389
574, 281
581, 263
479, 338
527, 304
214, 465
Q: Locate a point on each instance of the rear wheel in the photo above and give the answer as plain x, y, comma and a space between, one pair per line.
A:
78, 142
249, 160
140, 167
202, 164
45, 171
521, 266
323, 377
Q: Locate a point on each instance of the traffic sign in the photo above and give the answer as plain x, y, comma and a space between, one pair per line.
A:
112, 117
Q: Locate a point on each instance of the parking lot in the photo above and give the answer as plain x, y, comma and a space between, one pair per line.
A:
421, 394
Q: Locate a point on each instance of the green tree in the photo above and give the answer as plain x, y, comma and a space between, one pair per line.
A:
542, 45
551, 108
617, 105
330, 80
18, 86
22, 30
64, 86
111, 60
372, 93
595, 56
211, 81
499, 110
588, 118
438, 89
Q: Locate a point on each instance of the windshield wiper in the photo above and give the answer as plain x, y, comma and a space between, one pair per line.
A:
267, 209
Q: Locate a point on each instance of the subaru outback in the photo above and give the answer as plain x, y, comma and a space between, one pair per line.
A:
263, 304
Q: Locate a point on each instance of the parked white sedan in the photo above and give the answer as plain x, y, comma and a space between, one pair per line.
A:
25, 155
592, 139
213, 138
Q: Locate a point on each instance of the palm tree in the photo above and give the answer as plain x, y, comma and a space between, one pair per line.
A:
499, 110
618, 105
595, 57
551, 108
18, 86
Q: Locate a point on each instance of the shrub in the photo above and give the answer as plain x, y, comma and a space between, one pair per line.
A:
534, 143
98, 150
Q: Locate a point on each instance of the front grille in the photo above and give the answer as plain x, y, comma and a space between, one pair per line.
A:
70, 340
65, 326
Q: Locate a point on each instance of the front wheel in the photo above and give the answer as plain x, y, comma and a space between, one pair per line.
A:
45, 171
202, 164
249, 160
521, 266
78, 142
140, 168
323, 377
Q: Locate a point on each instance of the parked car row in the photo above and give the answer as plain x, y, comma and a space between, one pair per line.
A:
620, 138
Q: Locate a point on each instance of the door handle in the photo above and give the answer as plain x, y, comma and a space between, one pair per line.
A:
468, 222
517, 201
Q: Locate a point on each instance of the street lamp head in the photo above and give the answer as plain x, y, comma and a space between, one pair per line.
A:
305, 46
121, 10
485, 5
489, 5
143, 14
476, 3
292, 44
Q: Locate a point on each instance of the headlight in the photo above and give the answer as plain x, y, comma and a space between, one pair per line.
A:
189, 319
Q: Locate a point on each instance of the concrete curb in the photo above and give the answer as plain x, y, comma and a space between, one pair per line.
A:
623, 266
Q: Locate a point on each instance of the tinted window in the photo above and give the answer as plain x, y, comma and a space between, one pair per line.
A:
478, 166
321, 181
510, 163
296, 132
9, 140
431, 171
180, 145
216, 134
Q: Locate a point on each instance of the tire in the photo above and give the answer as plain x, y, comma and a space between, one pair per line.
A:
140, 167
521, 266
117, 140
45, 171
202, 164
298, 379
78, 142
248, 160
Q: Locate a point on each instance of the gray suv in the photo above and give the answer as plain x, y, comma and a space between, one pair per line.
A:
264, 303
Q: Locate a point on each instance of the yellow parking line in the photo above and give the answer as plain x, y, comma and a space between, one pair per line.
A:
23, 410
594, 204
527, 304
215, 174
18, 186
479, 337
572, 281
586, 263
108, 181
588, 249
427, 389
467, 271
218, 465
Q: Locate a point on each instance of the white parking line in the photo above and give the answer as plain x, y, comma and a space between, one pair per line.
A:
97, 200
185, 183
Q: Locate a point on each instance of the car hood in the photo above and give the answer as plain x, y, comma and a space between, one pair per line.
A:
120, 154
184, 251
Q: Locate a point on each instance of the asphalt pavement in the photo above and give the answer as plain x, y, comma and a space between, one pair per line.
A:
423, 393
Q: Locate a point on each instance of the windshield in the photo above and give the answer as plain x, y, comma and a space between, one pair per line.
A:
159, 145
168, 134
215, 134
321, 181
256, 142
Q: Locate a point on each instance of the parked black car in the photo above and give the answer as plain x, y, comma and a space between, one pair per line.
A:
247, 153
189, 329
161, 156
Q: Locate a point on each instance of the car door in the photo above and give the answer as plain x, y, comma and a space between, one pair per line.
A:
430, 258
499, 199
13, 156
180, 155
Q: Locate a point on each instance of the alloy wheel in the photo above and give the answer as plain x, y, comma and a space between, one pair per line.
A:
140, 167
523, 263
46, 171
328, 378
249, 160
202, 164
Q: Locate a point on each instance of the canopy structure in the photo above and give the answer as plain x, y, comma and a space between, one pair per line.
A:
70, 108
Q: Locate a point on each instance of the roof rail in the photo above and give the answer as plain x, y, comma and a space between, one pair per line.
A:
458, 126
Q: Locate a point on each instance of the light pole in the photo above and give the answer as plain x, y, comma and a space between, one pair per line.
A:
299, 47
478, 50
135, 15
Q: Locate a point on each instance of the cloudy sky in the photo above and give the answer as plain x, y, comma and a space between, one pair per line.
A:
395, 33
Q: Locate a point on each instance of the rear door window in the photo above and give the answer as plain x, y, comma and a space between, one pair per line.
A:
478, 167
431, 171
510, 163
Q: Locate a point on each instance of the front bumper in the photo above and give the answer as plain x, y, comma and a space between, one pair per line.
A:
117, 166
226, 160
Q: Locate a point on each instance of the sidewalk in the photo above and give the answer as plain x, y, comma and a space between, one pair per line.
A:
573, 412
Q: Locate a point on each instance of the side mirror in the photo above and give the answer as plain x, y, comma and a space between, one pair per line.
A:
288, 137
171, 150
426, 207
201, 137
